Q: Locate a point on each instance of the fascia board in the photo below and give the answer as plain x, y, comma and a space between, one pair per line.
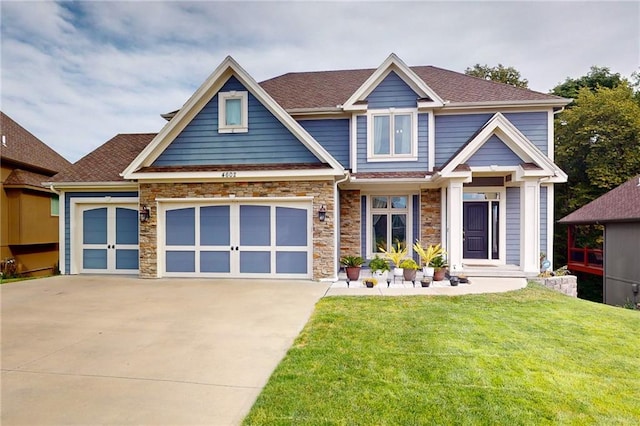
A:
239, 175
507, 104
393, 62
121, 186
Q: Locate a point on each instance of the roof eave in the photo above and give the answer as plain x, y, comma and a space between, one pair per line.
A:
506, 104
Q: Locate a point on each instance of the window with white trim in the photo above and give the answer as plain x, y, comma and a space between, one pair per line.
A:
389, 221
392, 134
55, 205
233, 112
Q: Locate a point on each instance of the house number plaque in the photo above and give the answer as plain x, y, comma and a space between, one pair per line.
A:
228, 174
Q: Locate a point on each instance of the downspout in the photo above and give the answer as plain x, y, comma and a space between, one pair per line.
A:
336, 233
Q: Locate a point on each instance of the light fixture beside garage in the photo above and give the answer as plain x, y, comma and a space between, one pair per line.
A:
145, 214
322, 213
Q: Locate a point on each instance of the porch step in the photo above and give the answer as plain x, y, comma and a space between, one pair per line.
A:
502, 271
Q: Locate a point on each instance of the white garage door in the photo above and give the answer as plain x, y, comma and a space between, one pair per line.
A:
237, 239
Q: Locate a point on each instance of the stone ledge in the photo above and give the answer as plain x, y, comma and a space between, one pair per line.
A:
567, 284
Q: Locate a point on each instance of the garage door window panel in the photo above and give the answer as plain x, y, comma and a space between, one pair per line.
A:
215, 261
94, 224
255, 262
181, 227
291, 262
255, 225
181, 261
215, 225
289, 222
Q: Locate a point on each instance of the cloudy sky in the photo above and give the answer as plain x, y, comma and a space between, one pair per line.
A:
77, 73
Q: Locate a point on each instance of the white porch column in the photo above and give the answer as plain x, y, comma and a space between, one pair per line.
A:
530, 226
454, 223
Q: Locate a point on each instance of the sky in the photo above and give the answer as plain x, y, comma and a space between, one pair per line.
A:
75, 74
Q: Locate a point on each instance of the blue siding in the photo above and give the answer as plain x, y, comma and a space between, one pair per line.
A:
363, 225
453, 131
534, 125
267, 142
543, 221
392, 92
333, 135
423, 149
494, 152
513, 226
67, 218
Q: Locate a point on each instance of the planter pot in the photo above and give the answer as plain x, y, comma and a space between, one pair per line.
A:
454, 281
397, 272
380, 275
353, 273
425, 282
409, 274
427, 271
438, 274
369, 284
463, 280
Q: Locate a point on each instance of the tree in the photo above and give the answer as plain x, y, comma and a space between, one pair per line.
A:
595, 78
597, 144
500, 73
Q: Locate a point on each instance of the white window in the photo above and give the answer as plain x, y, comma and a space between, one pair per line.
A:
389, 220
233, 112
393, 135
55, 205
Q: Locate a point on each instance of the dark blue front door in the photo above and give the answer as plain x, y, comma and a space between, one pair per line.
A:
476, 232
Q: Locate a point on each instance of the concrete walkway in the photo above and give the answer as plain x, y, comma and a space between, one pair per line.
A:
80, 350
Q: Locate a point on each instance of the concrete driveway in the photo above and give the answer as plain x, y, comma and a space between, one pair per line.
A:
121, 350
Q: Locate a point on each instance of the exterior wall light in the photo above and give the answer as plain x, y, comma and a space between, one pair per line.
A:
322, 213
145, 214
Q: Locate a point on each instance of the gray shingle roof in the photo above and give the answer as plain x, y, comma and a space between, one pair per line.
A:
621, 204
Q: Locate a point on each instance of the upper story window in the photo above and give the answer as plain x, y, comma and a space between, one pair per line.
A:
392, 135
233, 112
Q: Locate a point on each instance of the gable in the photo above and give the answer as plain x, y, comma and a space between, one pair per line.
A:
392, 92
267, 141
494, 152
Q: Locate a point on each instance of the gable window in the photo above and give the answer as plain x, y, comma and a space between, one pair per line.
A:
233, 112
392, 135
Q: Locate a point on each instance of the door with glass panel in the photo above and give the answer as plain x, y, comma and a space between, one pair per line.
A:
481, 225
389, 221
109, 239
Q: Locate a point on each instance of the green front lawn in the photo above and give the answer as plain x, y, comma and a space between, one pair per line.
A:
525, 357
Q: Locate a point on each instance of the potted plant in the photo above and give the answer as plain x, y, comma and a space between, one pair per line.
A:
370, 282
379, 267
395, 255
426, 255
409, 267
352, 265
439, 265
425, 281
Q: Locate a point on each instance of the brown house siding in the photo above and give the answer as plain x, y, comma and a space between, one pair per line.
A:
350, 223
321, 191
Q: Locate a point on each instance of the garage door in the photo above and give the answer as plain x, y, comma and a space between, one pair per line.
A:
238, 239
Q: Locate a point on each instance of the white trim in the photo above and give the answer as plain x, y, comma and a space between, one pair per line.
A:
117, 186
502, 230
224, 176
550, 222
229, 67
392, 63
530, 226
353, 146
166, 204
391, 113
223, 97
62, 241
507, 104
499, 125
75, 229
432, 141
444, 220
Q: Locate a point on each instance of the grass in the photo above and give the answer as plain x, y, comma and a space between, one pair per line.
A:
532, 356
16, 279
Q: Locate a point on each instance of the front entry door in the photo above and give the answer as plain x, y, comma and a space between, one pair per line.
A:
476, 232
109, 239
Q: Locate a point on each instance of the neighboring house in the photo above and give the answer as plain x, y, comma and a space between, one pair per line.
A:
281, 178
618, 261
29, 211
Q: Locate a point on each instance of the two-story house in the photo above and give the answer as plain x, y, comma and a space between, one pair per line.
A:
282, 178
28, 211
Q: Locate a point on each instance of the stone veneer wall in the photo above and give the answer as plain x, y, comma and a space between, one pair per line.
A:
350, 223
321, 191
430, 217
566, 284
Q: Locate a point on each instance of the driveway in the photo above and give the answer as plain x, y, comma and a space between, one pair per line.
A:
123, 350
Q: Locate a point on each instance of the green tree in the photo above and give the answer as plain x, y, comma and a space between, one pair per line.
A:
595, 78
598, 145
499, 73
